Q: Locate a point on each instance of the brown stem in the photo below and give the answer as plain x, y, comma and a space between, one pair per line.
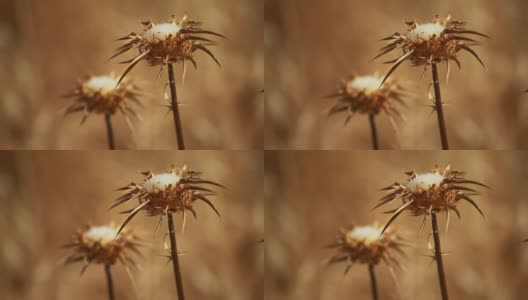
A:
109, 281
373, 131
438, 257
373, 282
174, 257
109, 131
439, 108
175, 109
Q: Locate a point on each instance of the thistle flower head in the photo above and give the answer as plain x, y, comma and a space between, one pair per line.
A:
172, 42
366, 84
160, 193
435, 191
103, 95
161, 32
102, 245
367, 95
428, 43
366, 245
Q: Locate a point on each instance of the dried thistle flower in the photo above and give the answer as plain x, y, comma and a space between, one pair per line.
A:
165, 43
431, 43
103, 95
435, 191
103, 245
367, 245
163, 193
367, 95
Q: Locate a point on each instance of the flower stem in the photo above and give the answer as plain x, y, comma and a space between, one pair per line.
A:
373, 131
175, 109
373, 282
174, 258
109, 131
439, 108
109, 282
438, 257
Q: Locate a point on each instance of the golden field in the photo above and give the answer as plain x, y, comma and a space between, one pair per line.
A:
47, 196
311, 45
311, 194
47, 45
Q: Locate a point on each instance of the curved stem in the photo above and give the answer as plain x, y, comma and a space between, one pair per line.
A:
438, 257
373, 131
373, 282
109, 131
174, 258
439, 109
175, 109
109, 281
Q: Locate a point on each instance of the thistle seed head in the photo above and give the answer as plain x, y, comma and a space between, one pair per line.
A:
367, 95
174, 191
428, 43
172, 42
366, 245
425, 32
102, 245
161, 32
103, 95
435, 191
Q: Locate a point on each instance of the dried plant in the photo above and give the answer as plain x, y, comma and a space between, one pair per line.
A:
367, 245
164, 194
175, 41
367, 95
103, 95
104, 245
429, 44
428, 194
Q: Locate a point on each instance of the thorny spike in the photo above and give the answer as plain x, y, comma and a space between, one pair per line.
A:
208, 202
132, 64
473, 53
132, 214
472, 202
204, 49
396, 214
396, 64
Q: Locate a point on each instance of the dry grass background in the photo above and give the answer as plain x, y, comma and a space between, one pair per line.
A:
312, 44
46, 196
310, 194
46, 45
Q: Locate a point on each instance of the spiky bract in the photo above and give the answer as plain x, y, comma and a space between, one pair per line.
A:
102, 95
161, 193
427, 43
363, 244
171, 42
367, 95
103, 245
438, 190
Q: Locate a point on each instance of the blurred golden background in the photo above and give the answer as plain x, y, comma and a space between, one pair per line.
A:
311, 194
46, 196
46, 46
311, 45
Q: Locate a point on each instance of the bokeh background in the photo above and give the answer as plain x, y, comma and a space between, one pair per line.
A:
46, 196
312, 44
311, 194
45, 46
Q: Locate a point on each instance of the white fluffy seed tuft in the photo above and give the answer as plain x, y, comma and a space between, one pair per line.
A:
366, 84
103, 84
102, 234
161, 31
425, 181
365, 234
426, 31
161, 181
